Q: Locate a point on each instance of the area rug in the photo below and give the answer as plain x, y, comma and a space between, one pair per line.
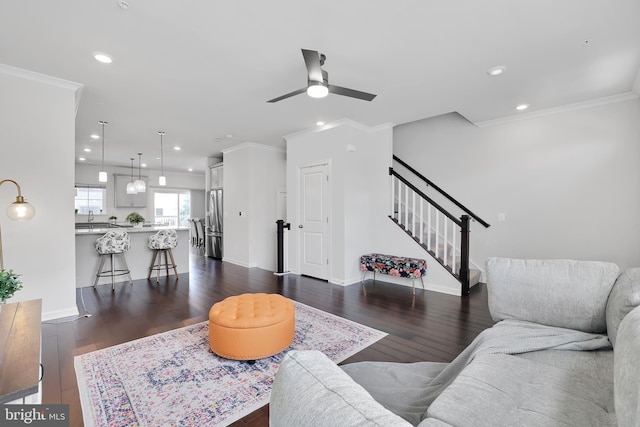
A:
174, 379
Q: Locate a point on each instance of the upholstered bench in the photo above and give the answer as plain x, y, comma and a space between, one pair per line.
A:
412, 268
251, 326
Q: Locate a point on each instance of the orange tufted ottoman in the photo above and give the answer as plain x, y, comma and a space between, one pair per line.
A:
251, 326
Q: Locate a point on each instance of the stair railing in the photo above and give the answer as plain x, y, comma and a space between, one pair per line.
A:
432, 226
441, 191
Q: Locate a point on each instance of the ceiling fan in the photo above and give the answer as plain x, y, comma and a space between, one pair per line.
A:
318, 81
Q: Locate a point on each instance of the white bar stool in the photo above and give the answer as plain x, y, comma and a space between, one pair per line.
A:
162, 242
111, 244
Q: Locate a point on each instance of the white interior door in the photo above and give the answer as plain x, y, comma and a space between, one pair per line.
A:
314, 222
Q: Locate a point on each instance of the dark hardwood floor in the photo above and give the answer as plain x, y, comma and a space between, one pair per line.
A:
429, 326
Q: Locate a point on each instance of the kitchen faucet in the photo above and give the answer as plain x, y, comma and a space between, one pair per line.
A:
90, 217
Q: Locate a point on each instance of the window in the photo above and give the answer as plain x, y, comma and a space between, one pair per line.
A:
172, 207
90, 198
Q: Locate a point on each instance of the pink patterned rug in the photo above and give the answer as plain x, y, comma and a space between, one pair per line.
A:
174, 379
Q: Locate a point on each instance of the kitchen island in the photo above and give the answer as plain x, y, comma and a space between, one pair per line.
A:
138, 257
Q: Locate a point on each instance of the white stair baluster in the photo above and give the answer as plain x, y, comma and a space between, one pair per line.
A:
453, 249
421, 223
406, 208
429, 229
413, 214
436, 249
445, 243
393, 201
399, 217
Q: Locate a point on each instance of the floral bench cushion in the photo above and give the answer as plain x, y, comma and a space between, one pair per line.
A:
412, 268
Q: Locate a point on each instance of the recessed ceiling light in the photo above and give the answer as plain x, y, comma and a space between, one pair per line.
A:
103, 57
123, 5
229, 135
522, 107
87, 150
320, 123
177, 148
219, 140
82, 159
190, 169
496, 71
144, 165
95, 136
157, 158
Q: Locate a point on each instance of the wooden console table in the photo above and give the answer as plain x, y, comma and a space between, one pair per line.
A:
20, 331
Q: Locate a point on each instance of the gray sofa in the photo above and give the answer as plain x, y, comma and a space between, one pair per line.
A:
565, 351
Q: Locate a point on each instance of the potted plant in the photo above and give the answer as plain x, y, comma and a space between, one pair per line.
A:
113, 218
9, 284
135, 219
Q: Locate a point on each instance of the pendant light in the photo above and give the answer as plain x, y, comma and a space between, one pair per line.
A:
102, 175
141, 187
131, 186
162, 181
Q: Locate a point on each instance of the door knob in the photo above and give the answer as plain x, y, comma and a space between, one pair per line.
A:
300, 226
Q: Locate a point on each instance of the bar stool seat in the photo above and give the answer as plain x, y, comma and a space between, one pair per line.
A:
162, 242
109, 245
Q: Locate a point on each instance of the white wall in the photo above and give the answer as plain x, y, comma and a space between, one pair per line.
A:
568, 183
253, 173
37, 130
88, 174
359, 159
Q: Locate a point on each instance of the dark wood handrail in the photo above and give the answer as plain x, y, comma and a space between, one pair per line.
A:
441, 191
424, 196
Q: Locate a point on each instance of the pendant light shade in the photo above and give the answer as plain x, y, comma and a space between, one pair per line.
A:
102, 175
141, 187
162, 180
131, 187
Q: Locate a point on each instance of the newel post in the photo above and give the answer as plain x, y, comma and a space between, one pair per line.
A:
464, 253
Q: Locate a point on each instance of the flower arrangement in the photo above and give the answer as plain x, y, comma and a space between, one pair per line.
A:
9, 284
135, 218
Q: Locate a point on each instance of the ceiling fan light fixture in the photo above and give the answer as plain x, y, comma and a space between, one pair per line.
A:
317, 90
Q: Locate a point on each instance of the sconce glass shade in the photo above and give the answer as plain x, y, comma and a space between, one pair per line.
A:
102, 176
317, 90
131, 188
140, 186
20, 210
162, 181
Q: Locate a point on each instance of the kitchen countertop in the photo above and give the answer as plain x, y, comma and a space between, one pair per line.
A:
150, 229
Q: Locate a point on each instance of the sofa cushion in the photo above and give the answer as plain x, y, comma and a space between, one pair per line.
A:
626, 370
309, 389
624, 297
564, 293
503, 390
399, 387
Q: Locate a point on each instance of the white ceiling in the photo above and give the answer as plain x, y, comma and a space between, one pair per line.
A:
201, 69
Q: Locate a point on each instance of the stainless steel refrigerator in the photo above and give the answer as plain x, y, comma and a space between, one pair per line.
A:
214, 224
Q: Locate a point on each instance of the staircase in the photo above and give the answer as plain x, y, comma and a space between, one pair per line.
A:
433, 227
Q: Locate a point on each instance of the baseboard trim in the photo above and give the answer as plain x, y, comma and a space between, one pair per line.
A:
57, 314
240, 263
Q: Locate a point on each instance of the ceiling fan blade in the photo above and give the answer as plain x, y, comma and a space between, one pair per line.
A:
289, 95
312, 61
339, 90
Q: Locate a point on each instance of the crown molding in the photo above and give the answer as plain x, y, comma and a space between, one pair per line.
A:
341, 122
564, 108
44, 79
253, 145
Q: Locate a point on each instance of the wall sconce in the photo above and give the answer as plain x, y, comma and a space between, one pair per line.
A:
17, 211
